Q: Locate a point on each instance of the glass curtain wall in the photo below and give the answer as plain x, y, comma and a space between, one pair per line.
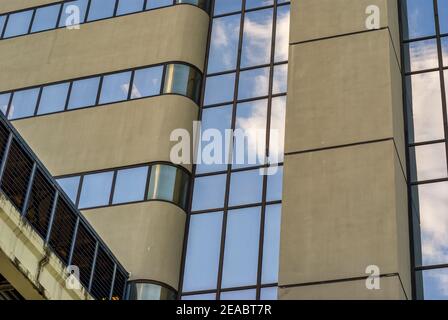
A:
233, 227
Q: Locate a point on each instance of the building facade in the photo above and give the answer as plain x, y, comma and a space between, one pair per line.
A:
340, 189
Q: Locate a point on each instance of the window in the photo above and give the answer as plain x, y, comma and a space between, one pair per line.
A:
430, 161
250, 4
245, 187
241, 248
4, 102
274, 189
152, 4
223, 54
18, 23
23, 103
269, 293
46, 18
219, 89
101, 9
130, 185
203, 250
253, 83
115, 87
147, 82
239, 295
149, 291
70, 186
271, 244
279, 84
227, 6
209, 192
418, 11
184, 80
257, 38
204, 4
129, 6
282, 34
168, 183
53, 98
2, 23
84, 93
73, 10
207, 296
95, 190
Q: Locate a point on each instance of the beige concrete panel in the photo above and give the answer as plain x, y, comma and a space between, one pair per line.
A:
390, 289
13, 5
147, 238
340, 214
316, 19
176, 33
340, 92
108, 136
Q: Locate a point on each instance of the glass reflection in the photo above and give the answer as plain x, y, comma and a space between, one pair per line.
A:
95, 190
279, 84
209, 192
245, 187
130, 185
152, 4
422, 55
207, 296
4, 102
101, 9
149, 291
18, 24
430, 161
433, 206
203, 251
53, 98
70, 186
434, 284
258, 3
282, 34
419, 18
253, 83
129, 6
269, 293
147, 82
274, 188
67, 12
277, 130
241, 261
115, 87
84, 93
219, 89
23, 103
239, 295
168, 183
46, 18
227, 6
271, 244
184, 80
2, 23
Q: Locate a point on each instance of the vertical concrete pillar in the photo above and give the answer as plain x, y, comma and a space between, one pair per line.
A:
345, 198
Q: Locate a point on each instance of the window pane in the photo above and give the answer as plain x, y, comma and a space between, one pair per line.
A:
203, 250
209, 192
241, 248
239, 295
426, 107
226, 6
443, 15
158, 3
421, 55
433, 208
257, 38
129, 6
184, 80
258, 3
214, 120
100, 9
115, 87
245, 187
46, 18
250, 134
23, 103
147, 82
168, 183
73, 13
207, 296
280, 79
18, 23
282, 34
2, 23
431, 161
274, 189
70, 186
84, 93
434, 284
269, 293
4, 101
277, 130
253, 83
271, 244
53, 98
224, 43
420, 19
96, 190
219, 89
130, 185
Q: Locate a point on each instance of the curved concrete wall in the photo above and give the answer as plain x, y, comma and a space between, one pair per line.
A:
146, 237
109, 136
177, 33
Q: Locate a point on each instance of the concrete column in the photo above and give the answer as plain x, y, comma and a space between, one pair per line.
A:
345, 196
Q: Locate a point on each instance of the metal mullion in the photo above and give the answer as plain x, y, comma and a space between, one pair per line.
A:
229, 166
145, 3
441, 75
112, 189
162, 80
39, 96
73, 242
28, 190
52, 214
8, 107
4, 27
86, 16
69, 92
92, 272
111, 292
100, 88
58, 21
148, 181
78, 194
115, 8
31, 22
5, 156
131, 84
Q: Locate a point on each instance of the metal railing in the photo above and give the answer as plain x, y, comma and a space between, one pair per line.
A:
43, 204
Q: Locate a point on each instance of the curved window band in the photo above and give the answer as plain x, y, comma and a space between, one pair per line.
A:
91, 91
62, 14
149, 290
156, 181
